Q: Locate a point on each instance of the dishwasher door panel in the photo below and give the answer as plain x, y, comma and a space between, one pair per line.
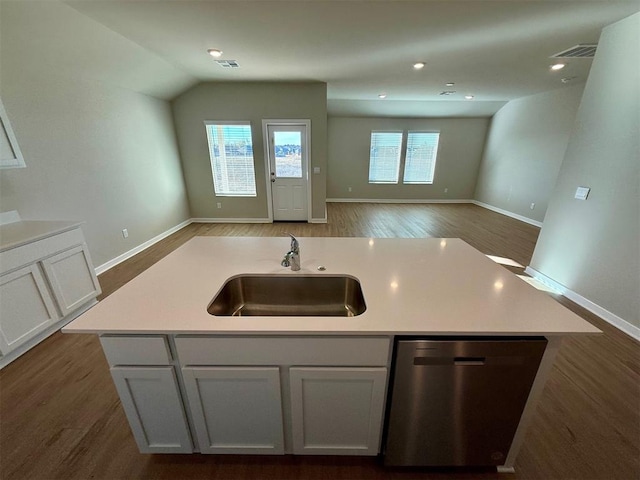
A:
458, 402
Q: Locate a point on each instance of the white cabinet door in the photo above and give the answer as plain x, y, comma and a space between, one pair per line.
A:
72, 278
337, 411
153, 406
26, 308
236, 410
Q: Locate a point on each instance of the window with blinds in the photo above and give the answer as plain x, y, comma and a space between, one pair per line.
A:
231, 154
384, 157
420, 159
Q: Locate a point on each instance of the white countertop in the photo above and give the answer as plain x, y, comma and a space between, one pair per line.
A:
411, 287
15, 234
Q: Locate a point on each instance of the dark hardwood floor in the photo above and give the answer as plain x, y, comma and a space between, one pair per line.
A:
60, 417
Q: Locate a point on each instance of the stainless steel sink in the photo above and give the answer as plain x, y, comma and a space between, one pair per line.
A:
289, 295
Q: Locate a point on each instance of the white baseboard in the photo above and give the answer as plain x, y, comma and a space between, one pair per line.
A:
530, 221
230, 220
393, 200
126, 255
318, 220
594, 308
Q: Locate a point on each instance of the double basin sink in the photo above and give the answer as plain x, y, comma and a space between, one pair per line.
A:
289, 295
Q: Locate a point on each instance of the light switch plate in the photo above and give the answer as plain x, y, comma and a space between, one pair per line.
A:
316, 170
582, 193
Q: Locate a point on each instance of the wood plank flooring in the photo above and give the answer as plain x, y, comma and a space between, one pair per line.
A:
60, 416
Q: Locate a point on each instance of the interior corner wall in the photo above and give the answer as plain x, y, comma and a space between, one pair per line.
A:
94, 152
459, 154
525, 147
592, 247
254, 102
104, 156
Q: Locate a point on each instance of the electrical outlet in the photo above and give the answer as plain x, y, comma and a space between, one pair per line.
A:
219, 205
125, 233
532, 206
349, 188
446, 190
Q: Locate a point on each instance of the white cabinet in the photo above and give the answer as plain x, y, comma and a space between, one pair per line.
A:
46, 280
150, 394
337, 411
153, 405
71, 277
303, 395
26, 307
236, 410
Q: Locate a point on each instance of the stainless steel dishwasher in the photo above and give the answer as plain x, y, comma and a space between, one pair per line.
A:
458, 401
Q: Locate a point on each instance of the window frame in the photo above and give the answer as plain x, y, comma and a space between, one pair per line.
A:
400, 157
434, 161
212, 158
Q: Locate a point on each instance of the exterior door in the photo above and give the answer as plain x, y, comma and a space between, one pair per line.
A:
289, 169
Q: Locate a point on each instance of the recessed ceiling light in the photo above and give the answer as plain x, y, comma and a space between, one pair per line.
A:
450, 84
557, 66
214, 52
419, 65
382, 95
468, 97
448, 92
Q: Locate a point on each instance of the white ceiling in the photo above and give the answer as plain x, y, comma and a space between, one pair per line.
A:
495, 50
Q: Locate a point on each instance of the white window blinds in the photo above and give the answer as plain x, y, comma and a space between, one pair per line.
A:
231, 154
384, 157
420, 161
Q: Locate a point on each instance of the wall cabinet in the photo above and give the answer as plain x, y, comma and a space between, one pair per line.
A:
46, 280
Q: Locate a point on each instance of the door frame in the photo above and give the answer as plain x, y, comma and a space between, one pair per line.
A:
265, 135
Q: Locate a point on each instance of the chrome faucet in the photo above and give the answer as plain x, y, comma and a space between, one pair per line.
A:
292, 257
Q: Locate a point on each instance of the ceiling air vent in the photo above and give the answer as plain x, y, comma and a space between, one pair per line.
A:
228, 63
579, 51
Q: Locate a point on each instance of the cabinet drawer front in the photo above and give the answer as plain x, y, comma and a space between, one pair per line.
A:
34, 251
343, 351
136, 350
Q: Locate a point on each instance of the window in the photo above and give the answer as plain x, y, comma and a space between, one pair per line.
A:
384, 157
420, 159
231, 153
418, 162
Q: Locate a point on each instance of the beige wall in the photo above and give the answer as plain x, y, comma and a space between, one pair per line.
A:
593, 246
247, 102
95, 153
459, 154
524, 150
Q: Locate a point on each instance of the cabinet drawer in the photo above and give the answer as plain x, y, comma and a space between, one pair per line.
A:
136, 350
327, 351
37, 250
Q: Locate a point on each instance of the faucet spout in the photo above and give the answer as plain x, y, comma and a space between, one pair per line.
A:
292, 257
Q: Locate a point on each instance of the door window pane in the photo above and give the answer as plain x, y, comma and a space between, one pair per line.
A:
287, 147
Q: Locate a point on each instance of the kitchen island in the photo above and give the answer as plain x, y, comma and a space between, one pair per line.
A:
193, 382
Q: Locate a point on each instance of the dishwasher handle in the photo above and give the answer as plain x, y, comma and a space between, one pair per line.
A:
469, 360
457, 361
